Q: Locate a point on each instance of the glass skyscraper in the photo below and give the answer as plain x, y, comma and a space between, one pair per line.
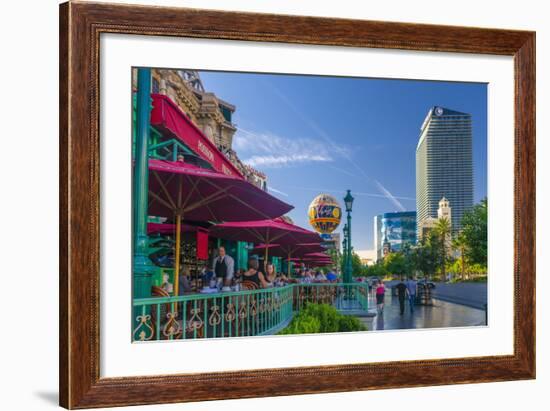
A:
444, 165
394, 230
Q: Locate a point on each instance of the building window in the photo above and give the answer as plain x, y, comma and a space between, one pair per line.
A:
226, 113
156, 88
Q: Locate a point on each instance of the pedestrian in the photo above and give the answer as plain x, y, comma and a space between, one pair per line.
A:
380, 294
401, 295
411, 288
224, 267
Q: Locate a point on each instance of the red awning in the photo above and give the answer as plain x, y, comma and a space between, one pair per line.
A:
171, 121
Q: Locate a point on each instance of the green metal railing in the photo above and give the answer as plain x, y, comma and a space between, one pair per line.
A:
239, 313
344, 297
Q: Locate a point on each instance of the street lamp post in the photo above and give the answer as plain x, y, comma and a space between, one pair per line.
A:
345, 249
348, 200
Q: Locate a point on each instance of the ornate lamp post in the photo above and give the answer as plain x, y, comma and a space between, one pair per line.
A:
348, 200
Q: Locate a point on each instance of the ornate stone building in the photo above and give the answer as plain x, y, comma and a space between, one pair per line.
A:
211, 114
443, 212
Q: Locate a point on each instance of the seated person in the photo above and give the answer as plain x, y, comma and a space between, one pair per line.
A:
320, 277
254, 275
239, 274
185, 282
166, 284
207, 275
307, 277
270, 274
331, 277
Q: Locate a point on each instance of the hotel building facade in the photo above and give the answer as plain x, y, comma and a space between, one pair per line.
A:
392, 231
444, 167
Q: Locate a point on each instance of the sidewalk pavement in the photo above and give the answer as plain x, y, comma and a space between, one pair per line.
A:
442, 315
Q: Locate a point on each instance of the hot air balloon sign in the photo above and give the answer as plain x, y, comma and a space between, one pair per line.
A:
324, 214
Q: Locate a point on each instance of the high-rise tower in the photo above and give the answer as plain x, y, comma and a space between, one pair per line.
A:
444, 167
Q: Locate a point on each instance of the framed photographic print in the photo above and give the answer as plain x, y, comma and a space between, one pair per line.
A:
251, 201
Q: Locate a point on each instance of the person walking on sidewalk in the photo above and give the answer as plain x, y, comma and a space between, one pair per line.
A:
411, 288
401, 294
380, 294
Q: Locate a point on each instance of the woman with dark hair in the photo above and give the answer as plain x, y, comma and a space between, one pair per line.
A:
253, 274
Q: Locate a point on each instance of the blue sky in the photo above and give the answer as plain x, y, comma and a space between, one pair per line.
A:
313, 134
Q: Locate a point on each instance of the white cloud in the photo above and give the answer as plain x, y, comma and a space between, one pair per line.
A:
281, 161
270, 150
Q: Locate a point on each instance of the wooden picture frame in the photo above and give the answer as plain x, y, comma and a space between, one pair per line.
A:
80, 27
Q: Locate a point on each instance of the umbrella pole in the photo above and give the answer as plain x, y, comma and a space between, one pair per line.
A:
288, 265
265, 257
177, 255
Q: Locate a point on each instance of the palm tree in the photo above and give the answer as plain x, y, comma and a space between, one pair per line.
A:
460, 243
443, 230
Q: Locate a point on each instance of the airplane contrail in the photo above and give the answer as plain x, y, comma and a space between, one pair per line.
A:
389, 196
386, 193
360, 193
277, 191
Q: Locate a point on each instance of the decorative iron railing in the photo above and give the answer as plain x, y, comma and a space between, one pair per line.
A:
240, 313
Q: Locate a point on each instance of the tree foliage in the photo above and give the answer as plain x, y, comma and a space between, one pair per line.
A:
375, 270
396, 264
474, 229
443, 233
426, 257
357, 268
433, 255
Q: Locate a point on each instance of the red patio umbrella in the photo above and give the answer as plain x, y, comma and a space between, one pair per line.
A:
319, 263
185, 191
269, 232
289, 250
316, 256
312, 263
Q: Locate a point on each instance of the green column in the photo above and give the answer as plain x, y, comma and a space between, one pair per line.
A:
142, 267
348, 273
344, 265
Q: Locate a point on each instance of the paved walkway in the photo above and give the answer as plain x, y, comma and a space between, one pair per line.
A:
442, 315
471, 294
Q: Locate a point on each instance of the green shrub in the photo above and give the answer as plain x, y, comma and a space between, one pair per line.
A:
306, 324
322, 318
350, 323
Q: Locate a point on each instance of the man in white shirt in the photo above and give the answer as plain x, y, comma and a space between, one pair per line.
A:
224, 266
